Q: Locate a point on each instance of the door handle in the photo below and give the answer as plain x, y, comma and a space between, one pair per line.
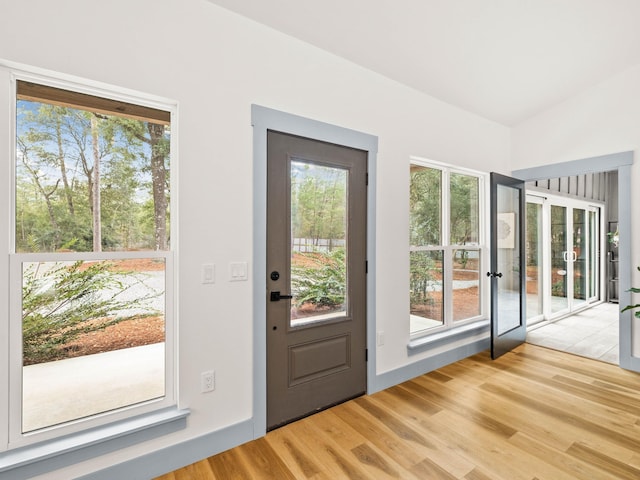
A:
276, 296
494, 274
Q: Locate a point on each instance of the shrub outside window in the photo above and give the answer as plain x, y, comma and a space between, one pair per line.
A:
445, 253
91, 272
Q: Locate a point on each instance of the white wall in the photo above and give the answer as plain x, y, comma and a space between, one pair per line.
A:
599, 121
216, 64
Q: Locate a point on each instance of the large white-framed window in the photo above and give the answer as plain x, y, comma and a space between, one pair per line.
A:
447, 246
92, 314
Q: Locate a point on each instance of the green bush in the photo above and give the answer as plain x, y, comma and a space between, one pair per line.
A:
67, 300
322, 280
421, 278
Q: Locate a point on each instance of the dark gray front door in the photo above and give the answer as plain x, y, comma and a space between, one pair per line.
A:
316, 276
508, 281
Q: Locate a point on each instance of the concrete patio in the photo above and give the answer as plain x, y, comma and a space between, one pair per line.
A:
65, 390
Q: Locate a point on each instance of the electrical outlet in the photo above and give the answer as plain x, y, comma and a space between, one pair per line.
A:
207, 381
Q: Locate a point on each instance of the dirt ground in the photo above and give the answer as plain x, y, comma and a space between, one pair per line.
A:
126, 334
465, 305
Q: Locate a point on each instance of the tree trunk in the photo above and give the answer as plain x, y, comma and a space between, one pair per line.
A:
63, 167
95, 190
47, 196
159, 178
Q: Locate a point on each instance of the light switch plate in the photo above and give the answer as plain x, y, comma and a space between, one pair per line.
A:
238, 271
208, 273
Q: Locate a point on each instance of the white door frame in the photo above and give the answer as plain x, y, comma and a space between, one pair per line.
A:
264, 119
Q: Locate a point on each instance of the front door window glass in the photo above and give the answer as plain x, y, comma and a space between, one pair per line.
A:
319, 239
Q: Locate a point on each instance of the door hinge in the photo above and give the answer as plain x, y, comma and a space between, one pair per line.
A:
366, 178
366, 266
366, 354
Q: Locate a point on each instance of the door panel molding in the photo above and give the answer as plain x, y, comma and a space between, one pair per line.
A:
620, 162
263, 119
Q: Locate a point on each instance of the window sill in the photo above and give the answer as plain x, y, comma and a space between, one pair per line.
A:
437, 339
24, 456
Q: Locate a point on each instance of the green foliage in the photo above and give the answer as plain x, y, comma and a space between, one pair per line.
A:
322, 280
63, 300
425, 196
637, 305
318, 201
558, 289
54, 171
421, 278
464, 209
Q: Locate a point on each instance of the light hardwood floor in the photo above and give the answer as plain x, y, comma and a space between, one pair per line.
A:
534, 414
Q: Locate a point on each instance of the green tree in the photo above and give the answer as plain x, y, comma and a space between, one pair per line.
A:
318, 202
425, 206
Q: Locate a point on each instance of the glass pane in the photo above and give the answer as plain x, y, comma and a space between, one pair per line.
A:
559, 257
425, 209
466, 282
508, 258
579, 257
88, 182
464, 209
534, 260
425, 288
93, 338
319, 242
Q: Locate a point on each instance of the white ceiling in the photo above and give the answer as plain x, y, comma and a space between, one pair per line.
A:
505, 60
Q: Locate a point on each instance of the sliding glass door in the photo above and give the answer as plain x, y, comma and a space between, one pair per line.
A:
563, 256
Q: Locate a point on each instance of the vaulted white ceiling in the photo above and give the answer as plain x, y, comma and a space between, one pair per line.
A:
504, 60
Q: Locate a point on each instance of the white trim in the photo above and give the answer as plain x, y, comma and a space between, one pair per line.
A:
90, 87
20, 458
10, 437
448, 323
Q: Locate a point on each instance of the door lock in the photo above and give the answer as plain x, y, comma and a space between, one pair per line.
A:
276, 296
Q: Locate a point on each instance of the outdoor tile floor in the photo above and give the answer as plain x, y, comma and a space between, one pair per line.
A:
591, 333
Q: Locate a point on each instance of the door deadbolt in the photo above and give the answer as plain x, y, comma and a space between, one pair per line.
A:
275, 275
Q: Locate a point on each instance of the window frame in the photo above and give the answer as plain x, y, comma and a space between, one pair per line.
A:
447, 249
12, 436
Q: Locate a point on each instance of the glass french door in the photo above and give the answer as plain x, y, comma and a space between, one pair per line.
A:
508, 319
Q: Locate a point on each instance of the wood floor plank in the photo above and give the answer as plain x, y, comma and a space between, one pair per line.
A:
263, 462
570, 464
229, 464
295, 455
404, 452
376, 462
499, 450
532, 414
513, 415
604, 462
335, 462
586, 415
